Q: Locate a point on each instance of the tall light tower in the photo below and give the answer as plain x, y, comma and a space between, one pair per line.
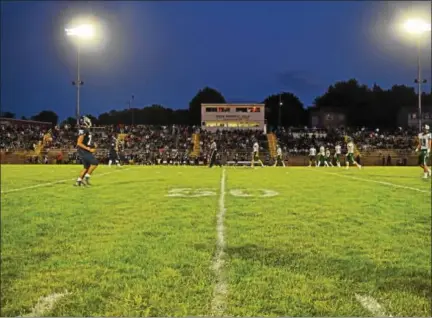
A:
80, 33
417, 28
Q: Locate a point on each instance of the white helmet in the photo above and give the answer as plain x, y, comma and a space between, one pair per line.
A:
85, 122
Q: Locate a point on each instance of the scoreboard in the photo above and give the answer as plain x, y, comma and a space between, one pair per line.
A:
232, 116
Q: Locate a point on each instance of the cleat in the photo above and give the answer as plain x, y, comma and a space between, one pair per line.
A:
79, 184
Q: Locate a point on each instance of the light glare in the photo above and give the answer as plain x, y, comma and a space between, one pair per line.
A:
85, 31
416, 26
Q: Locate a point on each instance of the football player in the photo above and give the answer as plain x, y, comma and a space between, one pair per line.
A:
279, 160
85, 150
424, 146
213, 154
321, 157
113, 155
255, 155
328, 160
350, 154
312, 156
338, 152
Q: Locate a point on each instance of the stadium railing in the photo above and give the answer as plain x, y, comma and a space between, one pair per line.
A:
372, 158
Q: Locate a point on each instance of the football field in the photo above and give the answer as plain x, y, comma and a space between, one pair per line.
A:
194, 241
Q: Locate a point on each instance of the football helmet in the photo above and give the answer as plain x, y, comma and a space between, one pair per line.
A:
84, 121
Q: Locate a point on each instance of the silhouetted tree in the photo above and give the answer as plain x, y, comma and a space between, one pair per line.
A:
363, 106
70, 121
181, 116
292, 111
427, 98
107, 118
7, 115
47, 116
156, 115
151, 115
367, 106
93, 119
206, 95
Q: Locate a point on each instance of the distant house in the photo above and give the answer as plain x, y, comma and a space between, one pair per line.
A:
409, 117
326, 117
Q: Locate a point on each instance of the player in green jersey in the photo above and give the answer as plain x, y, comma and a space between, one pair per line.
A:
424, 147
350, 154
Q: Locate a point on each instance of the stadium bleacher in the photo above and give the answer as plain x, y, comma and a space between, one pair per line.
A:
145, 144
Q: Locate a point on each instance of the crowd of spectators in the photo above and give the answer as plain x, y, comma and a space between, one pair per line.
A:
233, 144
298, 141
174, 143
18, 136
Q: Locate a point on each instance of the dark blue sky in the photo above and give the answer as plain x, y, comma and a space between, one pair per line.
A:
163, 52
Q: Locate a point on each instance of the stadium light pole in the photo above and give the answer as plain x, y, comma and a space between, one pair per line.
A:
81, 32
417, 27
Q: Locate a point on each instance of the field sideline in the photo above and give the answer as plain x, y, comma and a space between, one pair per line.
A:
193, 241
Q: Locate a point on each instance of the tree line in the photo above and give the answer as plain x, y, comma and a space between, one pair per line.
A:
362, 105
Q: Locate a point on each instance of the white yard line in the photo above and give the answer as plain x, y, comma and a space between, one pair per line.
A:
371, 305
221, 288
374, 181
55, 182
46, 304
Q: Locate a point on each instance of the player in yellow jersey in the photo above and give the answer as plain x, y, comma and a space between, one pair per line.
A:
424, 146
47, 138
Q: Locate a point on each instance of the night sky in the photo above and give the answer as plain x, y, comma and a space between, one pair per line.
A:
164, 52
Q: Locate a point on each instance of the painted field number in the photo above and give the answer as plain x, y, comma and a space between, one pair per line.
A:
190, 193
265, 193
194, 193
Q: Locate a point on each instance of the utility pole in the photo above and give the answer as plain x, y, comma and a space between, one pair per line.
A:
133, 115
129, 103
280, 110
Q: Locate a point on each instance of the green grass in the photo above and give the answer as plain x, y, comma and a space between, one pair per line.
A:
124, 248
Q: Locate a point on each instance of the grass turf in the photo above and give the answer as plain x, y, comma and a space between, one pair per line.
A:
125, 248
